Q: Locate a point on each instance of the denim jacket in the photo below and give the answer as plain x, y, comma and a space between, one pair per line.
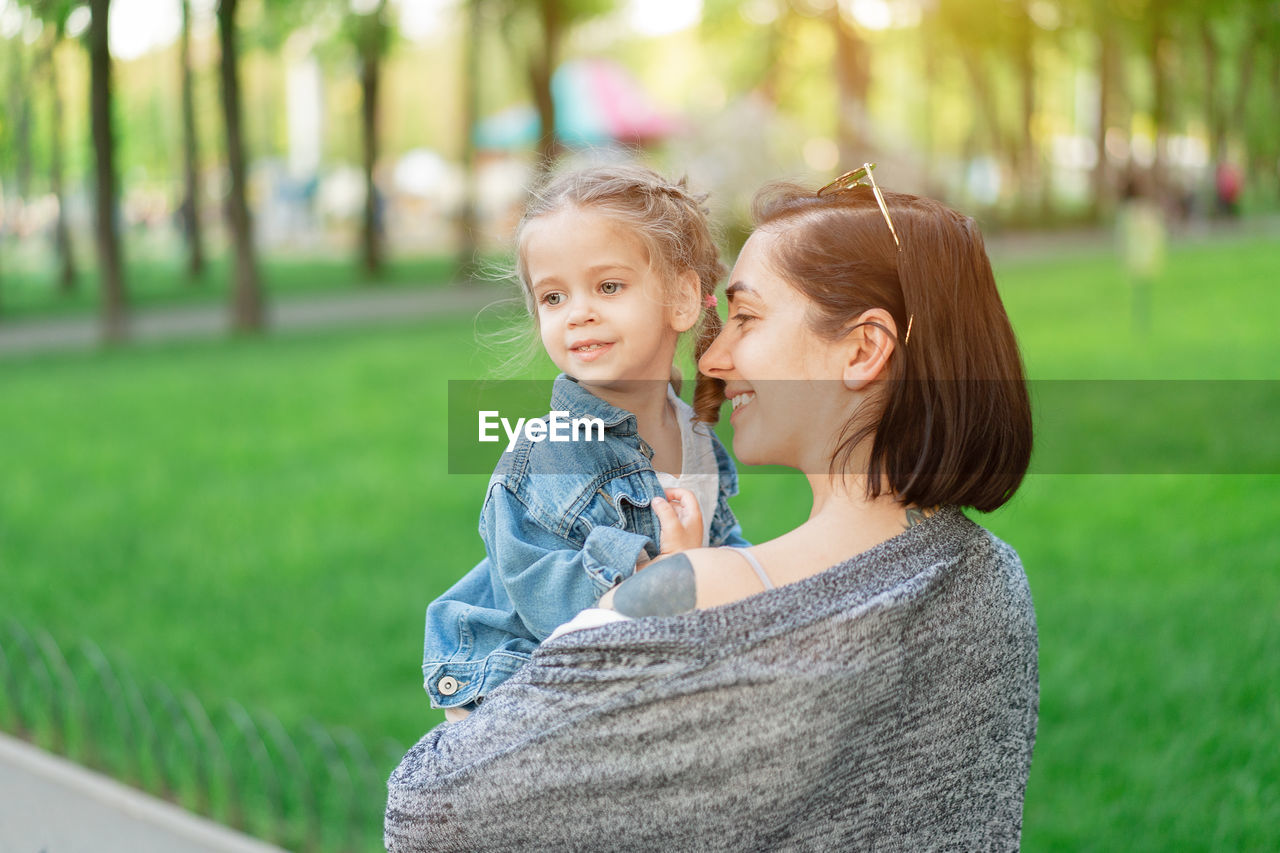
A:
562, 523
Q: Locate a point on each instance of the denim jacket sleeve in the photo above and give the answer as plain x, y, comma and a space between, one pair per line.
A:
552, 578
531, 581
725, 529
473, 640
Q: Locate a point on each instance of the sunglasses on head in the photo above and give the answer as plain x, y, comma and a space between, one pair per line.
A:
854, 178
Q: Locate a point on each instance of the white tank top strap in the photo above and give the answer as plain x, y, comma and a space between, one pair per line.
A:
755, 565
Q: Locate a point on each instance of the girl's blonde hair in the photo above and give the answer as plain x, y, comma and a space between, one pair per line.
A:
672, 224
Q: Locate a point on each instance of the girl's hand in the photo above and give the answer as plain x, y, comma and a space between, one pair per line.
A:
680, 518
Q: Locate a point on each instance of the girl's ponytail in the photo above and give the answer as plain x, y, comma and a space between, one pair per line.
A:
708, 392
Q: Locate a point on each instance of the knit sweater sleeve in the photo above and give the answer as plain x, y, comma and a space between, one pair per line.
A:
888, 703
597, 749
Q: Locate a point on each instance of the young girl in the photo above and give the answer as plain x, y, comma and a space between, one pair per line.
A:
615, 264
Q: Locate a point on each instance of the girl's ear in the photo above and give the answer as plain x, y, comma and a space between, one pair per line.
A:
687, 304
868, 347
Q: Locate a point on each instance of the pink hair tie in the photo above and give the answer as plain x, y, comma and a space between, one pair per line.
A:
709, 300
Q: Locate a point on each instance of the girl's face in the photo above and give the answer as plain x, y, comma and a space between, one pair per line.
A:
783, 379
604, 314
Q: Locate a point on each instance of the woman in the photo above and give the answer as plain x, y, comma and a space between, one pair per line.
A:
866, 681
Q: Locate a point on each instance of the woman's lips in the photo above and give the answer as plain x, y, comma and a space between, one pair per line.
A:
739, 401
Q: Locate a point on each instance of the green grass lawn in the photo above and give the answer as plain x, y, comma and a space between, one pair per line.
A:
267, 520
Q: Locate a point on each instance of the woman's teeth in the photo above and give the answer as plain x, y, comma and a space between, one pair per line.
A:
589, 347
740, 400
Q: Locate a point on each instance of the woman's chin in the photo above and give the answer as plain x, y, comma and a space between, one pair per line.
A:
754, 455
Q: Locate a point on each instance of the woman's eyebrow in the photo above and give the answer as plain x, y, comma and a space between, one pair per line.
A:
740, 288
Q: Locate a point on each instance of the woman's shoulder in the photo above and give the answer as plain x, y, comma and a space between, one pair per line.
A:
946, 558
696, 579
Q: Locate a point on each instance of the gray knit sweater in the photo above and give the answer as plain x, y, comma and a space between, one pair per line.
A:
888, 703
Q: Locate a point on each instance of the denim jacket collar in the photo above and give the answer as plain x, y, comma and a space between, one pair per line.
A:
568, 396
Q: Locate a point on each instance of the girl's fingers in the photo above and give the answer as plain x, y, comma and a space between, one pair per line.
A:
680, 495
687, 509
679, 519
668, 521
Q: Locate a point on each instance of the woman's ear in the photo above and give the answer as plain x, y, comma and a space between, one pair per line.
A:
688, 302
868, 347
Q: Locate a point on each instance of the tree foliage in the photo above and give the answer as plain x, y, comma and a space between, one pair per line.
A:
946, 85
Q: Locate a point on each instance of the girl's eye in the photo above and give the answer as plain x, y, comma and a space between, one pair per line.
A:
610, 287
555, 297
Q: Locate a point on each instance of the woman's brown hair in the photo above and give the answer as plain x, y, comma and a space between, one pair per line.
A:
953, 422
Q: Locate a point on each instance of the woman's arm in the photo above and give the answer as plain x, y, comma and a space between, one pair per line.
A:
691, 580
583, 749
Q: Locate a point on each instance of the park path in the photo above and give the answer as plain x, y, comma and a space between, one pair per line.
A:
372, 306
362, 307
300, 313
51, 805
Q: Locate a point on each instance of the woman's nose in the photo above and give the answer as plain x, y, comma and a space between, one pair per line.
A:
716, 359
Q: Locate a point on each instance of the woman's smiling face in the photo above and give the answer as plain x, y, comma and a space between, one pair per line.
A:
783, 379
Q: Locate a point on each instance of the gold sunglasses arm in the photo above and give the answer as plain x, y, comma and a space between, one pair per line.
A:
848, 180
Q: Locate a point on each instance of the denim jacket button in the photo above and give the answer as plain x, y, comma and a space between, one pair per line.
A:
447, 685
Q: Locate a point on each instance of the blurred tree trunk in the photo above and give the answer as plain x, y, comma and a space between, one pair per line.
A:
1101, 179
191, 189
1248, 59
1156, 50
371, 45
853, 80
248, 311
468, 244
535, 30
1275, 99
542, 64
20, 98
985, 96
771, 62
1028, 158
61, 233
1254, 26
929, 44
1212, 100
114, 320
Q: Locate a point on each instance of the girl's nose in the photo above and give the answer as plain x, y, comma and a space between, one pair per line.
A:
716, 359
581, 311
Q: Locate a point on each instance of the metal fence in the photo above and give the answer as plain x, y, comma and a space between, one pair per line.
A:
304, 787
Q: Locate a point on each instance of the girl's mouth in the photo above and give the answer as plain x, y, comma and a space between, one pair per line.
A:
591, 351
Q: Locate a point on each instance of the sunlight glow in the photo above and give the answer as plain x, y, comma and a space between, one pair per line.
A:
659, 17
78, 21
821, 154
139, 26
872, 14
12, 20
421, 19
759, 12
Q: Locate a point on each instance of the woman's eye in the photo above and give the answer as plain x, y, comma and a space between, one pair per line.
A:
610, 287
743, 318
552, 298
